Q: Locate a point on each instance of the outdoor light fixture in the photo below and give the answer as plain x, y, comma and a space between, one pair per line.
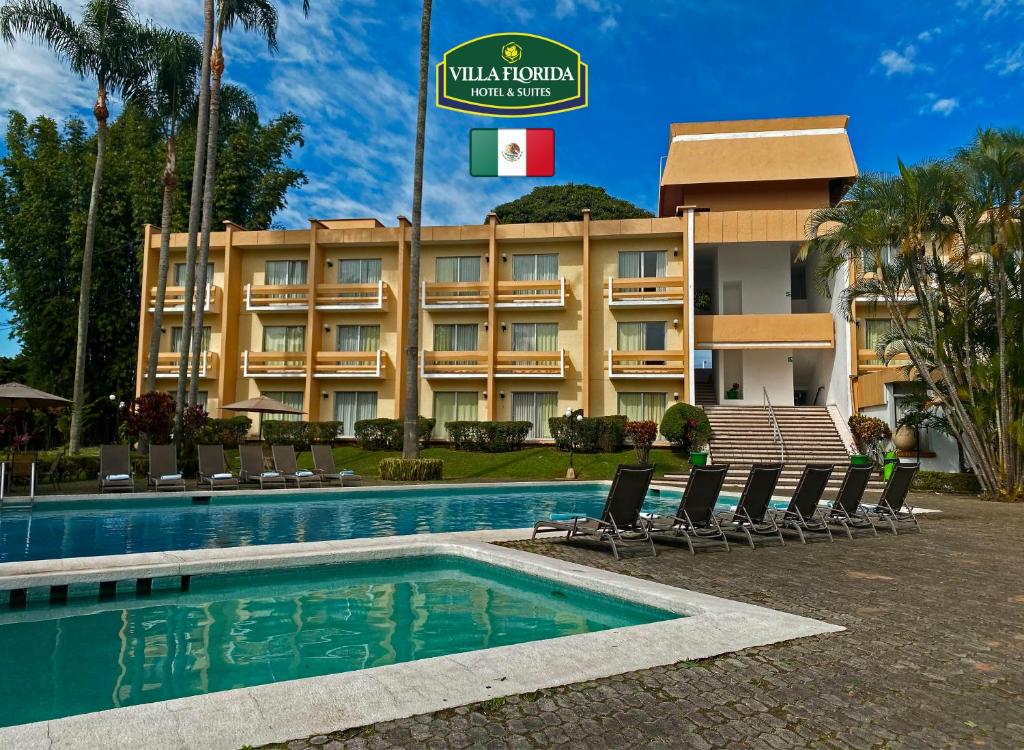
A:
675, 396
675, 252
324, 394
485, 394
504, 327
487, 259
112, 397
504, 258
330, 263
501, 394
675, 322
327, 328
487, 326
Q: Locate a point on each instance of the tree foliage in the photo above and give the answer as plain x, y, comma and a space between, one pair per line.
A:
566, 203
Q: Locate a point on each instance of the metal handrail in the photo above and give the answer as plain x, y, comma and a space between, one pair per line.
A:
776, 430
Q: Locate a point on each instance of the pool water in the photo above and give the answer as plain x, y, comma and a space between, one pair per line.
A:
238, 630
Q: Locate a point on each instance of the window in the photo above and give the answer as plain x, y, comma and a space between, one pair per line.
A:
456, 337
176, 339
358, 338
293, 399
461, 268
642, 406
453, 406
284, 339
534, 337
642, 336
535, 267
874, 329
643, 264
798, 282
359, 271
202, 398
179, 274
352, 406
537, 408
286, 272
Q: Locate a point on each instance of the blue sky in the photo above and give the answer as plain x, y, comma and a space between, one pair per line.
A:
917, 80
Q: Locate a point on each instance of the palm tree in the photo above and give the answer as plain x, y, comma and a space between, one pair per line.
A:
176, 60
410, 438
195, 206
106, 46
254, 15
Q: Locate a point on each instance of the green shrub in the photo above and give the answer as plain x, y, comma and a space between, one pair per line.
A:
300, 434
642, 435
687, 427
387, 434
941, 481
410, 469
590, 434
230, 431
490, 437
80, 466
871, 434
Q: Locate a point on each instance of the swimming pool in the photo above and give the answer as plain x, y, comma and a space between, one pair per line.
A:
243, 629
85, 528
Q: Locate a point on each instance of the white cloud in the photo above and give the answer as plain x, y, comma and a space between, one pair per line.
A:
929, 34
1009, 62
944, 106
899, 62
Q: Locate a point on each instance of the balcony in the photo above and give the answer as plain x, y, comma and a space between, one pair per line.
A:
274, 364
350, 296
174, 299
868, 361
530, 365
783, 331
167, 365
349, 364
649, 364
456, 365
276, 297
666, 291
455, 295
522, 294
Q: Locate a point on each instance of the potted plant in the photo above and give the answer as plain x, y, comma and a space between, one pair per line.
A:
872, 435
734, 392
687, 427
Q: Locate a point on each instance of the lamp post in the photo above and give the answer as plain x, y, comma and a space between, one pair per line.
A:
572, 416
113, 418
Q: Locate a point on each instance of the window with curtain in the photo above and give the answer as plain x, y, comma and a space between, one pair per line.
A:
179, 274
176, 338
534, 267
358, 338
637, 264
458, 268
643, 406
353, 406
453, 406
874, 329
642, 336
203, 398
534, 337
284, 339
293, 399
456, 337
536, 407
286, 273
359, 271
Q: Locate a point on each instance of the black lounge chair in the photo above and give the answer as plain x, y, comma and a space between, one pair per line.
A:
323, 464
751, 516
116, 469
620, 522
695, 519
254, 468
213, 469
893, 507
163, 469
287, 465
802, 515
847, 510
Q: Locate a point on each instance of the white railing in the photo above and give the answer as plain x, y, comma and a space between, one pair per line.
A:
776, 430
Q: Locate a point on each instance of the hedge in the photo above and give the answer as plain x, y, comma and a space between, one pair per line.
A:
590, 435
490, 437
941, 481
230, 431
410, 469
300, 434
387, 434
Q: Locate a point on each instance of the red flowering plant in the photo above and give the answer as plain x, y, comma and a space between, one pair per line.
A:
151, 414
642, 434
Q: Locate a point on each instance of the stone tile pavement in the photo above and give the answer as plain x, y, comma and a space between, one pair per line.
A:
933, 656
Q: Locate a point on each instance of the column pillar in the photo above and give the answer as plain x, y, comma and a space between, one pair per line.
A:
314, 336
403, 294
586, 312
230, 364
492, 314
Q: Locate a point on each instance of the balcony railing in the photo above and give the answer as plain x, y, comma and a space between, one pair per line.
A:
453, 364
455, 295
276, 297
273, 364
349, 364
646, 364
518, 294
767, 331
351, 296
666, 291
530, 364
167, 365
174, 299
867, 360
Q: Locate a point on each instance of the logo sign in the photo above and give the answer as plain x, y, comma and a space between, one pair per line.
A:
511, 75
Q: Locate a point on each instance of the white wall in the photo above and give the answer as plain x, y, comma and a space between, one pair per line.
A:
833, 370
762, 368
762, 268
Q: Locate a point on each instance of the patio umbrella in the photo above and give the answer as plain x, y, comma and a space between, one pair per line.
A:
263, 405
18, 396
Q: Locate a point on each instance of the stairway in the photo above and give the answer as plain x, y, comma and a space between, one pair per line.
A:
704, 393
743, 436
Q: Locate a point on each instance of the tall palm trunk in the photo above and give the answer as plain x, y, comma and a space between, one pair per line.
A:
212, 140
198, 165
410, 438
101, 113
170, 180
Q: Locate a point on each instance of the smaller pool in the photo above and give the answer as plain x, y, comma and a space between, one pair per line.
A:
239, 630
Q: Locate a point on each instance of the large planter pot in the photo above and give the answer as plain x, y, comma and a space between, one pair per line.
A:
905, 438
859, 459
698, 458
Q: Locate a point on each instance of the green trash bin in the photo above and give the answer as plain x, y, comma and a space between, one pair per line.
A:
859, 459
698, 458
891, 460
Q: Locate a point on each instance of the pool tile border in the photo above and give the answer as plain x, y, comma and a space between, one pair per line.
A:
280, 711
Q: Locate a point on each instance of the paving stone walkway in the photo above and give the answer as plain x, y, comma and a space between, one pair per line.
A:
933, 656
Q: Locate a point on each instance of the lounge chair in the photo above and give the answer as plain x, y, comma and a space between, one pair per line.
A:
21, 468
163, 468
847, 510
323, 464
254, 468
695, 518
802, 515
751, 516
286, 464
620, 522
213, 469
893, 507
116, 469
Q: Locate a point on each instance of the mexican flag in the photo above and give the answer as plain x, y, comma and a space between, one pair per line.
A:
512, 152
